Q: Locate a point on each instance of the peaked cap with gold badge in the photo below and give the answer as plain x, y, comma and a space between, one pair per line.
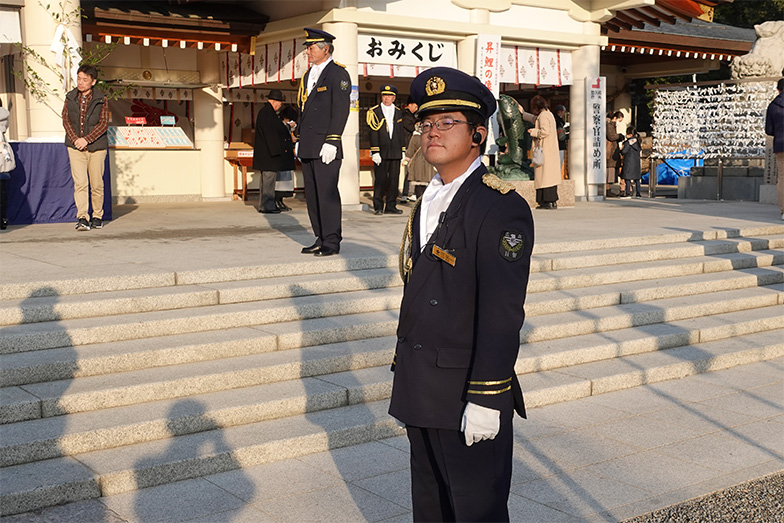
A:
388, 89
313, 36
445, 89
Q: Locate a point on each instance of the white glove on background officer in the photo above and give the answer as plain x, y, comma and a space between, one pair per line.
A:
296, 149
328, 153
376, 158
479, 423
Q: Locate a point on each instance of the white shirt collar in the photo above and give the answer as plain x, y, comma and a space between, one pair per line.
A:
315, 73
436, 199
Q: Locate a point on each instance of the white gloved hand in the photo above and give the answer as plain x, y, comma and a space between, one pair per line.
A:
406, 161
479, 423
376, 158
296, 149
399, 423
328, 153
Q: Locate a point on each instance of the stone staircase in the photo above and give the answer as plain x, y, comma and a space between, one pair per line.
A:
114, 384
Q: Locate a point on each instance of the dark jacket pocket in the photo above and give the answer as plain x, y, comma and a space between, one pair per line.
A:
454, 358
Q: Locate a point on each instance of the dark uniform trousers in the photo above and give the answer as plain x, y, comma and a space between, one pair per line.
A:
451, 481
387, 177
323, 200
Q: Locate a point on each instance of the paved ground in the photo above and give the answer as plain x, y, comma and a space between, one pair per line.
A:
603, 458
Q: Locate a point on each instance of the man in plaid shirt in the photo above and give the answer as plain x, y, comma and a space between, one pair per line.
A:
86, 120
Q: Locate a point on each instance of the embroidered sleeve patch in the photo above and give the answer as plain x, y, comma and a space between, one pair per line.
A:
511, 246
344, 85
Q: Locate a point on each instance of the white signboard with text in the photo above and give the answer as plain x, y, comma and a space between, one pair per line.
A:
488, 70
595, 126
396, 50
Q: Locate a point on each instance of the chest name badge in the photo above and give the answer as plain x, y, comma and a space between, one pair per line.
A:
441, 254
321, 89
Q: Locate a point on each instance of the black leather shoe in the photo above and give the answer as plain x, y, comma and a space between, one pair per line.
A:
273, 211
326, 251
378, 211
393, 211
310, 250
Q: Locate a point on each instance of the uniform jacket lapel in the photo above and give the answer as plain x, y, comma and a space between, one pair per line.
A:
424, 265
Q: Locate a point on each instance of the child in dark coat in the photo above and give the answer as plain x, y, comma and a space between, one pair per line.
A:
631, 162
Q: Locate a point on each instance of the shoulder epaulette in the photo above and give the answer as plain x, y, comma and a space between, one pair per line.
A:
338, 63
494, 182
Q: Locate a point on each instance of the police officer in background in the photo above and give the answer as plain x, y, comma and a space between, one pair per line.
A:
323, 101
465, 261
387, 144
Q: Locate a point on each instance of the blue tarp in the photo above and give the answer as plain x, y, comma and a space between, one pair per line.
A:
672, 170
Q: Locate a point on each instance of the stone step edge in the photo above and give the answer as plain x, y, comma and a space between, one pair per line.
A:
65, 286
378, 428
526, 364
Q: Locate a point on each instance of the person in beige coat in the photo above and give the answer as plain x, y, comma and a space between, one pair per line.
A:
419, 171
544, 133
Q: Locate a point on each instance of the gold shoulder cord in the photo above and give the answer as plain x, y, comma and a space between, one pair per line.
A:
302, 95
405, 260
372, 119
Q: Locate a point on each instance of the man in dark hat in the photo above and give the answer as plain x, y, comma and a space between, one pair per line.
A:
323, 100
273, 151
465, 261
387, 144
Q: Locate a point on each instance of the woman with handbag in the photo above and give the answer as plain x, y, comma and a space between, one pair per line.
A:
544, 155
7, 164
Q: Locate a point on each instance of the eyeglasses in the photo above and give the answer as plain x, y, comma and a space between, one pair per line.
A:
444, 124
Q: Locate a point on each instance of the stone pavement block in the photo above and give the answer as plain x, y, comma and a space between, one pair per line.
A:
398, 442
762, 402
88, 511
662, 473
580, 493
523, 510
243, 514
275, 480
647, 433
580, 414
700, 417
179, 501
726, 451
17, 405
766, 435
45, 483
344, 503
359, 462
392, 486
579, 448
548, 387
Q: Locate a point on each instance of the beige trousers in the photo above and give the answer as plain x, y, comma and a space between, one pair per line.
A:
780, 182
87, 173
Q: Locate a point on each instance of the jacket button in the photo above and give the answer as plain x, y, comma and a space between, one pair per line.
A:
401, 339
417, 347
433, 302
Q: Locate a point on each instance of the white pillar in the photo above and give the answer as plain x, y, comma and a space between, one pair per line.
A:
585, 63
466, 55
38, 28
346, 53
208, 126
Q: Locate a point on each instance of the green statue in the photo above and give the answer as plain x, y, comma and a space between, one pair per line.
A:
514, 164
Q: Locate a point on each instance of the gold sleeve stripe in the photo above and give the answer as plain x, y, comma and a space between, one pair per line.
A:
333, 137
488, 383
489, 392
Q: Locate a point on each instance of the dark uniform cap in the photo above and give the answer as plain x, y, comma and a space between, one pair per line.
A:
314, 36
446, 89
389, 89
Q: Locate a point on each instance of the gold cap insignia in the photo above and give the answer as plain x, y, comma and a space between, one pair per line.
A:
435, 85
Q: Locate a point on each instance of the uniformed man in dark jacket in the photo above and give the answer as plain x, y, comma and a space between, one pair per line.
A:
465, 261
273, 150
387, 145
323, 99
